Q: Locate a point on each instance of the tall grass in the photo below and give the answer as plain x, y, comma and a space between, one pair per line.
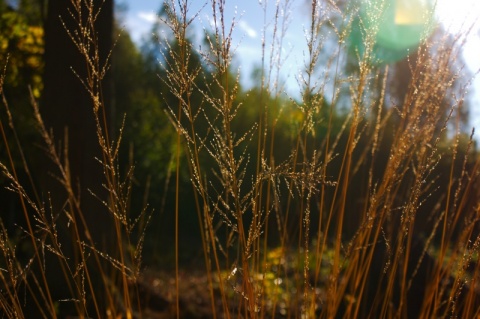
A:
98, 278
284, 239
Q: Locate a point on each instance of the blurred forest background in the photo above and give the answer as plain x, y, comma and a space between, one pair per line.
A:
138, 99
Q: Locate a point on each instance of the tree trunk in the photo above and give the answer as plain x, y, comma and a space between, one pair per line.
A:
68, 107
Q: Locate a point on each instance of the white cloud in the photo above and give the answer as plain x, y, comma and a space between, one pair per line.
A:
250, 32
149, 17
139, 23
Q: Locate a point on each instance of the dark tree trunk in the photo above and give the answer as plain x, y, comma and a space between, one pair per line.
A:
67, 106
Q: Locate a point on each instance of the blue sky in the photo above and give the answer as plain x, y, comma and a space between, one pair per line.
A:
248, 34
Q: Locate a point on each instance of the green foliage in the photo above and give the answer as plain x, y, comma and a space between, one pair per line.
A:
21, 65
138, 100
22, 43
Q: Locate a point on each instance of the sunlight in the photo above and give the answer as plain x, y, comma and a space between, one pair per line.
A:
410, 12
403, 24
458, 15
399, 26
